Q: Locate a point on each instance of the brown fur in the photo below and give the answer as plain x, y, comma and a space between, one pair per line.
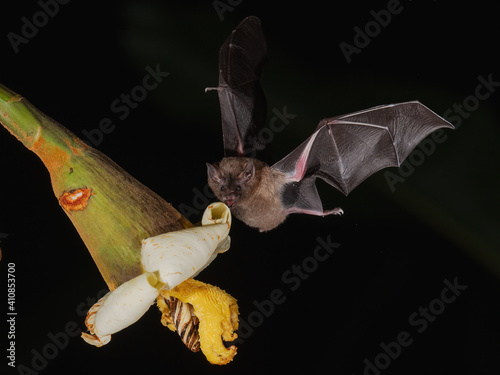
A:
257, 199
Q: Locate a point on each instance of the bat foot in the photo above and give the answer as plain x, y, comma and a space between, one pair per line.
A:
335, 211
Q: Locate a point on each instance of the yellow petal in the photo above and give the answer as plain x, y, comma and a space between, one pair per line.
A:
217, 312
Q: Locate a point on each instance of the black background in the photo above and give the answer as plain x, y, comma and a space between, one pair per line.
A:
397, 246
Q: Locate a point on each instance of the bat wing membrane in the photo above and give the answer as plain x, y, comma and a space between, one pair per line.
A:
242, 101
347, 149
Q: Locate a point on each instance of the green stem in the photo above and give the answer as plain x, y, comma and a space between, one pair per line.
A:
112, 211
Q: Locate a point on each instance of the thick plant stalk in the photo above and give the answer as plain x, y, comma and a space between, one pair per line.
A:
112, 211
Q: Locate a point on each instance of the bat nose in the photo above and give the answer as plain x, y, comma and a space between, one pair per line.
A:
229, 199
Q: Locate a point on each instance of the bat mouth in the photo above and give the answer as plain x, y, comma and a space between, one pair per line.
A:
229, 199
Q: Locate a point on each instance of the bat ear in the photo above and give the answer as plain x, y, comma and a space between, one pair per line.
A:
249, 171
213, 173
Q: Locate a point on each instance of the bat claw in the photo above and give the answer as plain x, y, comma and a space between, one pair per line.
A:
335, 211
207, 89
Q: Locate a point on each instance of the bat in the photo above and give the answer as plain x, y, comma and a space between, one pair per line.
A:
343, 150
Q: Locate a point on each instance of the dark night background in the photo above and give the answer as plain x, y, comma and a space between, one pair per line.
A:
397, 246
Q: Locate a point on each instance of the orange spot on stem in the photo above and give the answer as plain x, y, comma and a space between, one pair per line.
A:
75, 200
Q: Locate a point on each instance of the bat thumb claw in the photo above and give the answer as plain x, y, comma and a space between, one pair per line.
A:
207, 89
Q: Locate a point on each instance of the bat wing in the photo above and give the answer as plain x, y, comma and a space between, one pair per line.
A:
347, 149
242, 101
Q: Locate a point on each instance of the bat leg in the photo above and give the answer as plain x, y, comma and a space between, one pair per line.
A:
302, 198
335, 211
297, 210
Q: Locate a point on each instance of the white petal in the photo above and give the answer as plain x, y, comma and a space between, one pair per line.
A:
216, 213
120, 308
177, 256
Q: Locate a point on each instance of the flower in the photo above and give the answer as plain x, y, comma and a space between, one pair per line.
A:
170, 261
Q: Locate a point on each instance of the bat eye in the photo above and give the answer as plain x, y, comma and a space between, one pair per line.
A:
238, 188
222, 188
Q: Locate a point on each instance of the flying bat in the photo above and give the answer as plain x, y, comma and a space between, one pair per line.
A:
343, 150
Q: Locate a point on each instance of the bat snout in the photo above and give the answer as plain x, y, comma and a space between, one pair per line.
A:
229, 199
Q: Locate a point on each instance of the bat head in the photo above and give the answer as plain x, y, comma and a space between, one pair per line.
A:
231, 179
